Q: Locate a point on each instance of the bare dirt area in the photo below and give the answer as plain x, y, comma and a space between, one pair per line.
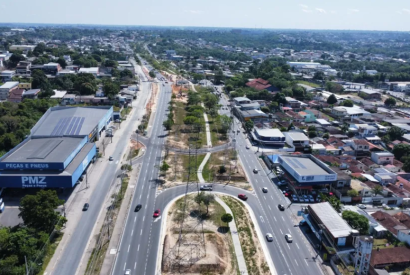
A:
251, 248
208, 253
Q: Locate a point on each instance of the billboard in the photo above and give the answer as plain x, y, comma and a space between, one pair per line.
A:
35, 181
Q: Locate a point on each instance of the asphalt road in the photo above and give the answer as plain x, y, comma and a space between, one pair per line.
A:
141, 234
288, 258
75, 248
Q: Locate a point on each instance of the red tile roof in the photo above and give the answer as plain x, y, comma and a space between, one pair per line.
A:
406, 183
394, 255
360, 142
388, 222
259, 84
403, 218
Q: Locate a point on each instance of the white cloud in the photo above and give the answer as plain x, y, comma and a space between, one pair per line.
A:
406, 11
193, 11
320, 10
303, 6
307, 11
354, 11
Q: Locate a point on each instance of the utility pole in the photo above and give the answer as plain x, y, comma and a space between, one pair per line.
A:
86, 179
27, 272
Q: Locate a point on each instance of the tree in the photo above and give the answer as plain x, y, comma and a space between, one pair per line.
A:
111, 63
152, 74
210, 100
325, 135
377, 190
291, 126
332, 99
401, 150
168, 124
164, 167
38, 211
352, 193
265, 109
406, 165
334, 88
126, 74
39, 79
15, 59
312, 134
39, 49
390, 102
226, 218
406, 272
111, 89
219, 77
356, 221
206, 199
312, 128
62, 62
221, 169
87, 89
249, 125
347, 103
225, 122
395, 133
319, 75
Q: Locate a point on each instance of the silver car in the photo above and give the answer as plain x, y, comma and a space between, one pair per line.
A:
269, 237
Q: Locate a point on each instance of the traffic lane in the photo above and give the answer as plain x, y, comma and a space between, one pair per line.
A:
130, 255
165, 197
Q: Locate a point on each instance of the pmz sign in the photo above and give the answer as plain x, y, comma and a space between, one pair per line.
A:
33, 181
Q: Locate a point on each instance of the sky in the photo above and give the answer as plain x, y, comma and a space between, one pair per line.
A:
273, 14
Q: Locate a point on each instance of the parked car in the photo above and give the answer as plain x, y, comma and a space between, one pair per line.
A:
243, 197
85, 207
295, 198
362, 206
311, 199
138, 208
110, 158
157, 213
289, 238
305, 198
205, 188
269, 237
281, 207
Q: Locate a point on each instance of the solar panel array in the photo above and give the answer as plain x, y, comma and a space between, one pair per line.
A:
68, 126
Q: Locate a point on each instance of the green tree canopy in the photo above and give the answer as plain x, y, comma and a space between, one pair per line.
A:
347, 103
356, 221
249, 125
226, 218
332, 99
38, 211
390, 102
401, 150
111, 89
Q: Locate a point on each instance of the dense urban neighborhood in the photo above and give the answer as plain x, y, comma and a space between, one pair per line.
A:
153, 150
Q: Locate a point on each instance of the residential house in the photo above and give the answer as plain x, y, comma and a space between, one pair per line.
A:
261, 84
361, 146
343, 179
25, 86
382, 158
6, 88
295, 116
241, 100
52, 68
293, 103
7, 75
32, 94
369, 94
308, 115
384, 176
396, 258
349, 112
363, 130
369, 163
93, 70
389, 222
23, 68
15, 95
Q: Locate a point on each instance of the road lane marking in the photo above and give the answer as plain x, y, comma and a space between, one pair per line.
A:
296, 262
129, 248
306, 262
271, 197
135, 219
269, 207
297, 246
283, 218
135, 265
280, 231
138, 248
143, 218
132, 232
262, 220
125, 265
288, 246
274, 218
141, 233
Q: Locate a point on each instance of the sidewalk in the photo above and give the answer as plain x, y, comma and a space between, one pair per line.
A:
235, 239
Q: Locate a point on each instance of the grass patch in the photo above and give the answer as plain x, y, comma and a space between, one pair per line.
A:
247, 235
380, 243
194, 169
311, 84
50, 252
179, 113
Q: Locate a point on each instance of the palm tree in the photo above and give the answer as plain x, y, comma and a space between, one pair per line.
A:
378, 189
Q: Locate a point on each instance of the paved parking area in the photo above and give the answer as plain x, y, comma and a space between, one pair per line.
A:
10, 216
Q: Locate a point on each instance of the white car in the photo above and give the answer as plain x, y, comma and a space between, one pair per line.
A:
362, 206
247, 147
128, 272
289, 238
269, 237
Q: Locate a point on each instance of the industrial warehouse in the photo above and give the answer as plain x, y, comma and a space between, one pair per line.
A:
58, 150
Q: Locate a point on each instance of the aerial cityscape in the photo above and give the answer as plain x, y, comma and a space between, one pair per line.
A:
183, 139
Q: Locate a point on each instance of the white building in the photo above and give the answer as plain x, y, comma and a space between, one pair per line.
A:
363, 246
296, 139
22, 47
6, 88
298, 65
352, 112
93, 70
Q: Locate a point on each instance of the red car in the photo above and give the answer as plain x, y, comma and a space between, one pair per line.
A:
157, 213
243, 197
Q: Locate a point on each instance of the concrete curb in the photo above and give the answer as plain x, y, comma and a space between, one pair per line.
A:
254, 220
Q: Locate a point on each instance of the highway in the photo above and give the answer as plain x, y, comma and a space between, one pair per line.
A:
75, 248
141, 233
139, 246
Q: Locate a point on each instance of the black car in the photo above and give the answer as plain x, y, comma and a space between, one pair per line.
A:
281, 207
137, 208
205, 187
85, 207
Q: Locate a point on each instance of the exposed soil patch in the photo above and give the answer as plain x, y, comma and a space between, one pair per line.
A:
215, 257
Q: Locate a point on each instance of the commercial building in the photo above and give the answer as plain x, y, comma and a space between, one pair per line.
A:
306, 170
268, 136
58, 150
298, 65
6, 88
7, 75
328, 226
297, 140
93, 70
22, 47
52, 68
